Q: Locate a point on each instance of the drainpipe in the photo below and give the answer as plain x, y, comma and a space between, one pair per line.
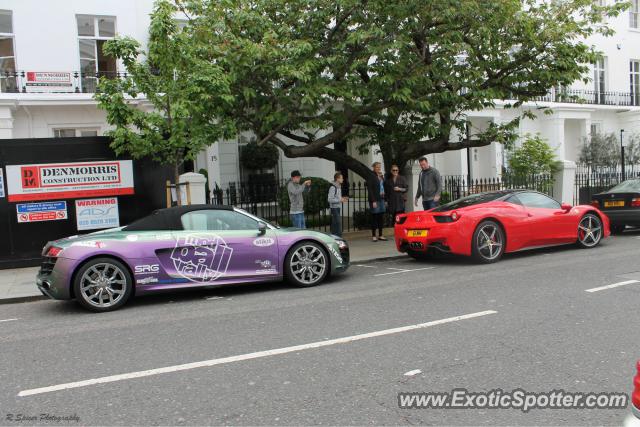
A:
30, 127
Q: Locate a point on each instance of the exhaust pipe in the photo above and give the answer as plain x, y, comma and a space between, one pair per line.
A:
46, 284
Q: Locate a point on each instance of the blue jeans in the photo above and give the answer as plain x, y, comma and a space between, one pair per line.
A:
298, 220
429, 204
336, 222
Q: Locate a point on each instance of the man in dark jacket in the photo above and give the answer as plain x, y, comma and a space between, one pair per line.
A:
429, 185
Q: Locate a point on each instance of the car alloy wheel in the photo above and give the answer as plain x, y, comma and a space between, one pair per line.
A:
103, 284
307, 264
488, 242
589, 231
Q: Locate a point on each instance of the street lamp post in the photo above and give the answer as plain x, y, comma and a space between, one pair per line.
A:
622, 153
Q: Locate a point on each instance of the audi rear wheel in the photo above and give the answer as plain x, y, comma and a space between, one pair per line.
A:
103, 284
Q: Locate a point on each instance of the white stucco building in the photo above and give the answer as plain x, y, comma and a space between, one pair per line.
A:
55, 46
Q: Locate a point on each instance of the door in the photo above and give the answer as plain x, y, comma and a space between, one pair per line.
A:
221, 245
548, 223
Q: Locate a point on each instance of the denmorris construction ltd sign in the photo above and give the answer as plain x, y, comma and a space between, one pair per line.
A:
69, 180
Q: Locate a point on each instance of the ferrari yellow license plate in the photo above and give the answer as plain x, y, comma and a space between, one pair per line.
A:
614, 204
417, 233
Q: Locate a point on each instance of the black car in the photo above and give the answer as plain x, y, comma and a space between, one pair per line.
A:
621, 204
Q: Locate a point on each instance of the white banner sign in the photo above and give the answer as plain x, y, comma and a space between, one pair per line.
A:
48, 81
92, 214
69, 180
1, 184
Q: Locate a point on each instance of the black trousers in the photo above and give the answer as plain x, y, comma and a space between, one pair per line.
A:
376, 223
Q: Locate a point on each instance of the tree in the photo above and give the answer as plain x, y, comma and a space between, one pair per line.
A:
185, 93
307, 74
532, 157
258, 157
600, 150
632, 150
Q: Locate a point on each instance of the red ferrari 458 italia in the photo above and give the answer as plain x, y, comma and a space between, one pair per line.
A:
487, 225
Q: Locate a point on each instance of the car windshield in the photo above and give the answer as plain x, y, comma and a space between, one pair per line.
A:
257, 218
629, 186
474, 199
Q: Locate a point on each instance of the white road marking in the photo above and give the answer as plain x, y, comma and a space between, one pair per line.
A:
615, 285
412, 373
214, 297
403, 271
366, 266
7, 320
249, 356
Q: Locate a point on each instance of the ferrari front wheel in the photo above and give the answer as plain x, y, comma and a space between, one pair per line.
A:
589, 231
102, 284
488, 242
307, 264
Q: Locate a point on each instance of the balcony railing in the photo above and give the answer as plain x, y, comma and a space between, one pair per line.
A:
53, 81
81, 82
582, 96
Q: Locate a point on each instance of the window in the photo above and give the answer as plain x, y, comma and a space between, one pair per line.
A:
537, 200
634, 14
7, 53
474, 199
73, 132
634, 77
217, 220
93, 33
596, 128
599, 81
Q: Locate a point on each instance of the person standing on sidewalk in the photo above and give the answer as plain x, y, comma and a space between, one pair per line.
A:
335, 203
396, 190
429, 185
296, 199
375, 187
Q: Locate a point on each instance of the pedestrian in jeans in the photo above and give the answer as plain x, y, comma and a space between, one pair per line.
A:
375, 187
396, 191
335, 203
429, 185
296, 200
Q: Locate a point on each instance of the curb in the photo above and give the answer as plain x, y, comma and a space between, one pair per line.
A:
16, 300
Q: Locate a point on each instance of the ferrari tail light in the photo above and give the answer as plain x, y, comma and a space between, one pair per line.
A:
455, 215
400, 219
595, 203
53, 252
635, 396
635, 202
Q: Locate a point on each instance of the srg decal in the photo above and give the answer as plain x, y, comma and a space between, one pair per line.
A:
263, 241
147, 269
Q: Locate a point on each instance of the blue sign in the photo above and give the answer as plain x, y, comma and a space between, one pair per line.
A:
41, 207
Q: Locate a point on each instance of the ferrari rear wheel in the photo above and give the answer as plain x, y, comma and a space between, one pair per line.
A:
307, 264
103, 284
589, 231
488, 242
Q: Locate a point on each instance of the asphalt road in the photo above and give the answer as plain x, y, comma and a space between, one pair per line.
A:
537, 330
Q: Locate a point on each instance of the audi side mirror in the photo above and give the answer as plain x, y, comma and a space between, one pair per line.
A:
262, 228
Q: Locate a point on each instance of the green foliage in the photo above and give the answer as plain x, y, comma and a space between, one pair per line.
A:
401, 75
534, 156
445, 197
315, 199
186, 94
311, 222
256, 157
600, 150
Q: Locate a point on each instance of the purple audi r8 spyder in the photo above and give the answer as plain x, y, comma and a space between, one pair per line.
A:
184, 247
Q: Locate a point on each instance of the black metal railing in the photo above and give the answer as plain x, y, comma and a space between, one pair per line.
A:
456, 186
270, 200
54, 82
592, 180
584, 96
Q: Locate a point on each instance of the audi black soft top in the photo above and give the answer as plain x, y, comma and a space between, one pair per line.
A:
168, 218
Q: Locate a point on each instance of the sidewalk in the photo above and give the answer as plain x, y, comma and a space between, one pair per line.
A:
18, 285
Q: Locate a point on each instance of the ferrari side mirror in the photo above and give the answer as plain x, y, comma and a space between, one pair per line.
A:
566, 207
262, 228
